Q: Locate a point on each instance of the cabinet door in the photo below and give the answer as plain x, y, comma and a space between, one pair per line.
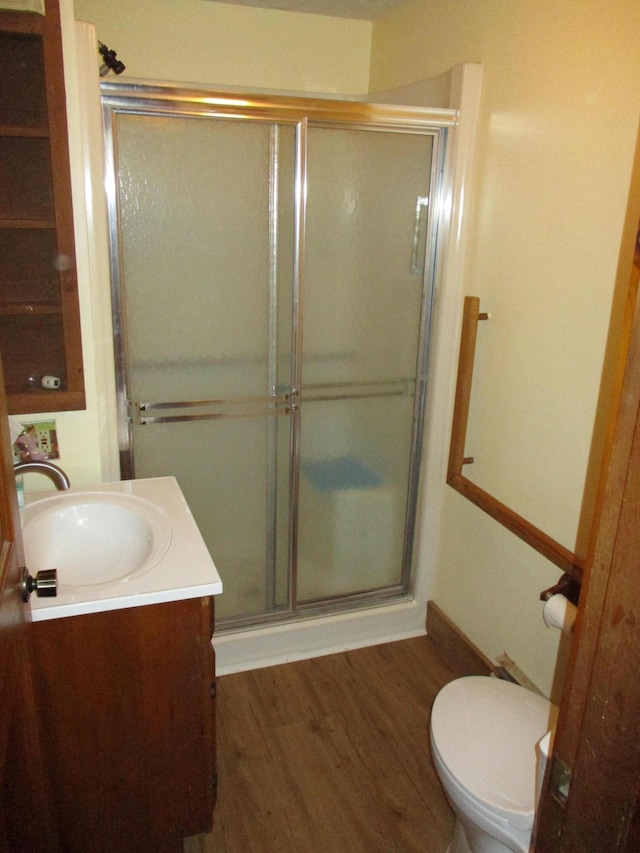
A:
39, 314
127, 699
26, 819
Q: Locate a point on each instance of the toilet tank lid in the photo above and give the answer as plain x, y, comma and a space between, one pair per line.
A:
486, 731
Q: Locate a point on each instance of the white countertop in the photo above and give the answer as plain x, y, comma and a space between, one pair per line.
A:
185, 571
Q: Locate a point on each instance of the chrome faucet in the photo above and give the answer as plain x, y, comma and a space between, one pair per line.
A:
55, 474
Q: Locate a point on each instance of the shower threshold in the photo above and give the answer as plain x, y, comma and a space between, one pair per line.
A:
314, 635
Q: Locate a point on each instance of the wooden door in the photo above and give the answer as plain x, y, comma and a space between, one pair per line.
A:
25, 816
590, 796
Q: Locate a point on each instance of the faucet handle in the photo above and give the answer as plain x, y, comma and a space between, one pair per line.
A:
45, 583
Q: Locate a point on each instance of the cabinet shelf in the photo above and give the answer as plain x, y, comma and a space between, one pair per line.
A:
28, 223
28, 310
25, 132
39, 400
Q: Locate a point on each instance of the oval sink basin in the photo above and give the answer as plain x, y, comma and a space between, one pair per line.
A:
94, 538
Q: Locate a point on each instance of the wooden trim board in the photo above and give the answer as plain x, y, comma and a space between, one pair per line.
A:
533, 536
454, 645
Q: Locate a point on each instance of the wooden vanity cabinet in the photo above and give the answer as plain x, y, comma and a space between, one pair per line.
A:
127, 707
39, 312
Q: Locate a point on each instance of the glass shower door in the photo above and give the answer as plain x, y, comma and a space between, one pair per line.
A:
206, 213
363, 316
273, 267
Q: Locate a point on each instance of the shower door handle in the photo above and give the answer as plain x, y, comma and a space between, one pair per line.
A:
140, 414
422, 203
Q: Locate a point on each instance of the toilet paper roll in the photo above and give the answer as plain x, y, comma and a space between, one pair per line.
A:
559, 612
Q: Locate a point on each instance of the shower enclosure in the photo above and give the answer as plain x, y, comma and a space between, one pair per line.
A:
273, 264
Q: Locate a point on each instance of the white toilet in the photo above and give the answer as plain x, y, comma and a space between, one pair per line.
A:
485, 736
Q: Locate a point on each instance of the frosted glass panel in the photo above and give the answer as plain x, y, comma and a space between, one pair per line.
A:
353, 493
361, 300
366, 222
197, 250
235, 498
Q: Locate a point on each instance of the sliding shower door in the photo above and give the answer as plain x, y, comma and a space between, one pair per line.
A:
205, 254
272, 270
366, 228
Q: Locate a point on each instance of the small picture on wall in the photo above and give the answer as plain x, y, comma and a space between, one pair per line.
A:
37, 442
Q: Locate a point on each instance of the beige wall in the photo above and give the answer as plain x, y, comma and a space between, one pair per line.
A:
197, 41
559, 114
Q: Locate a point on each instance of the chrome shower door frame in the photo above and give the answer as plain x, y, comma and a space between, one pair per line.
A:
160, 100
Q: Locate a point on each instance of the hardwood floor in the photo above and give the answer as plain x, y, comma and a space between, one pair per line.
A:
331, 755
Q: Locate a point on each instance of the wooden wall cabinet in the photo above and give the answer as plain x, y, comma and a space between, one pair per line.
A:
39, 312
127, 708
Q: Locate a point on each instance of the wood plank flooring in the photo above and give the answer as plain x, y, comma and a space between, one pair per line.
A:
331, 755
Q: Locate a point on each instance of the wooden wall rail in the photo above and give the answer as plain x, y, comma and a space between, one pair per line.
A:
545, 545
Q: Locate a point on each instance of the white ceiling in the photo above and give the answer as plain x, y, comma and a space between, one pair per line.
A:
366, 10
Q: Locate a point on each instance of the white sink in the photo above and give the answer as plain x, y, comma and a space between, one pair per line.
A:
94, 538
130, 543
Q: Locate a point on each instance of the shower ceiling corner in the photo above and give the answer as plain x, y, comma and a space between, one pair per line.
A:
272, 265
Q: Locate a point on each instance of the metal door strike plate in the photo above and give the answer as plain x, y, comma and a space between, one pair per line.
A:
560, 780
